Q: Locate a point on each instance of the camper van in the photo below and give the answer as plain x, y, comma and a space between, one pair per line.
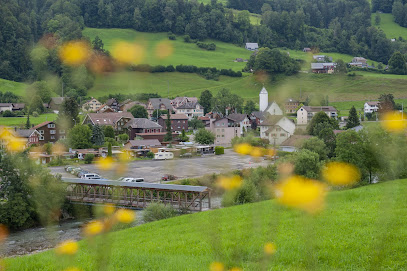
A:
163, 155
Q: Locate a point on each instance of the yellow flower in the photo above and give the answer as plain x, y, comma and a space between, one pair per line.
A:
216, 266
243, 148
235, 269
300, 192
393, 122
16, 144
93, 228
105, 163
72, 269
340, 173
271, 152
257, 152
164, 49
128, 53
125, 216
269, 248
125, 156
109, 209
69, 247
229, 183
74, 53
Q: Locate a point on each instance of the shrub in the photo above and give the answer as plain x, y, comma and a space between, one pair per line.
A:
219, 150
172, 37
158, 68
207, 46
150, 154
187, 38
8, 114
89, 158
158, 211
244, 194
170, 68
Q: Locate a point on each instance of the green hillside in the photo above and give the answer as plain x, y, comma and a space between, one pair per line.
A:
360, 229
184, 53
390, 28
14, 87
21, 121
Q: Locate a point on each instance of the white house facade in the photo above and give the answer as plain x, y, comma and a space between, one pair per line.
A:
306, 113
371, 107
276, 129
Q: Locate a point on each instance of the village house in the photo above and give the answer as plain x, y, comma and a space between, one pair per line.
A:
240, 120
322, 58
371, 107
291, 105
49, 132
158, 104
225, 130
179, 122
18, 106
252, 46
306, 113
178, 101
323, 67
190, 109
360, 62
56, 103
116, 120
31, 135
307, 50
104, 108
91, 105
276, 129
141, 126
293, 143
113, 104
6, 107
257, 117
206, 120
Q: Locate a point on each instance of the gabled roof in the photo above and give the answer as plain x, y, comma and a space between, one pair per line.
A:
271, 120
108, 118
258, 114
295, 140
42, 124
373, 103
182, 100
320, 66
156, 102
18, 106
237, 117
5, 104
57, 100
319, 108
141, 123
111, 101
26, 133
188, 105
144, 142
252, 45
204, 118
263, 91
175, 117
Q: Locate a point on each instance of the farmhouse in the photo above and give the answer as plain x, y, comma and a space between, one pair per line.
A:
190, 109
91, 105
291, 105
276, 129
49, 132
323, 67
141, 126
371, 107
116, 120
252, 46
158, 104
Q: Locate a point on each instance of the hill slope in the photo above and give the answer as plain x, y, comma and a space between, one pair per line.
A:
389, 27
14, 87
360, 229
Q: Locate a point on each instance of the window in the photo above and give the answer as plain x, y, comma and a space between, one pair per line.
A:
41, 132
41, 138
282, 134
52, 137
223, 135
51, 125
52, 132
223, 130
62, 137
62, 131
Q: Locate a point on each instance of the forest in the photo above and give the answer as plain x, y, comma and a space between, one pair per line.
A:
331, 26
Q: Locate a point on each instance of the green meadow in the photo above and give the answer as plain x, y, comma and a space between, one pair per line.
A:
389, 27
359, 229
14, 87
184, 53
21, 121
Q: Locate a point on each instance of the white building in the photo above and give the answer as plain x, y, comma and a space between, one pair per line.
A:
371, 107
252, 46
192, 109
277, 129
306, 113
91, 105
264, 99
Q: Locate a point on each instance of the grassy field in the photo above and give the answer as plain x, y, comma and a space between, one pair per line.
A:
389, 27
360, 229
14, 87
21, 121
184, 53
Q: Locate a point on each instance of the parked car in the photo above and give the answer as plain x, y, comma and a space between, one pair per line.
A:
91, 176
168, 177
81, 173
130, 180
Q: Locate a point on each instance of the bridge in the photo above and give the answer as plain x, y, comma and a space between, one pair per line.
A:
138, 195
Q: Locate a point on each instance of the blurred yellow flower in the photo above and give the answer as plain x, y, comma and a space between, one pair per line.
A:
393, 122
125, 216
243, 148
128, 53
269, 248
235, 269
121, 168
69, 247
16, 144
72, 269
340, 173
93, 228
105, 163
285, 168
3, 232
229, 183
216, 266
164, 49
109, 209
300, 192
125, 156
271, 152
257, 152
74, 53
58, 149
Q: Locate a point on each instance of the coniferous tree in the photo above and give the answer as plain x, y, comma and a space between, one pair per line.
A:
353, 119
28, 124
168, 136
98, 138
109, 149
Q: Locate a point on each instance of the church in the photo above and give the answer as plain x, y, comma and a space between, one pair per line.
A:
274, 126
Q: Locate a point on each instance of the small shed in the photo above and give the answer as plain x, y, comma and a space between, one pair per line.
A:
252, 46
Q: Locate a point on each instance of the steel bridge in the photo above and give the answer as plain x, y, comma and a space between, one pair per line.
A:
138, 195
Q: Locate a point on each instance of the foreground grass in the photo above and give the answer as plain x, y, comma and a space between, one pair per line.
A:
21, 121
389, 27
360, 229
184, 53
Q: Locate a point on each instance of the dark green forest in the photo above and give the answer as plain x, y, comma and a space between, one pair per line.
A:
329, 25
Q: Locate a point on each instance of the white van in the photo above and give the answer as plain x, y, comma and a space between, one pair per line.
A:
163, 155
131, 180
91, 176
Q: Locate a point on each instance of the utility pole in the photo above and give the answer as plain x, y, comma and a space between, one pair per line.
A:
62, 89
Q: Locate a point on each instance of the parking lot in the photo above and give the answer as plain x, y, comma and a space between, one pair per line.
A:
152, 171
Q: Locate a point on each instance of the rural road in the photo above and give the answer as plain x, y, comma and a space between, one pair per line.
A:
152, 171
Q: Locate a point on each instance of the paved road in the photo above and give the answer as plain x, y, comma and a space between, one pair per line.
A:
152, 171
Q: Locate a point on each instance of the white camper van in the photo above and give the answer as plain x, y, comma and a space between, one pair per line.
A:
163, 155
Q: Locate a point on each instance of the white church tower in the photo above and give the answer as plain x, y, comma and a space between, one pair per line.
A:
264, 99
